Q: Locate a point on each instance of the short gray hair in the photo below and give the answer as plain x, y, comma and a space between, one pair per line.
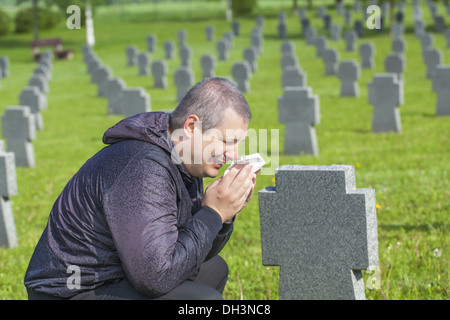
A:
209, 100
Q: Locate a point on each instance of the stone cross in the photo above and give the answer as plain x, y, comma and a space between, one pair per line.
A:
441, 83
331, 58
320, 230
299, 110
134, 101
4, 67
395, 63
349, 73
386, 94
208, 63
367, 51
19, 129
8, 188
222, 50
159, 72
293, 77
241, 73
132, 53
433, 58
143, 60
350, 40
37, 101
151, 43
169, 49
184, 80
250, 56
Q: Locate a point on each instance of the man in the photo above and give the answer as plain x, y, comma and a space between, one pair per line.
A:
133, 222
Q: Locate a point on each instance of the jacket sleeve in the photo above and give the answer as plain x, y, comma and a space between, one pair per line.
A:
141, 210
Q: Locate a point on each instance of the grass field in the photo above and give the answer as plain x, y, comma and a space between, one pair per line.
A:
409, 171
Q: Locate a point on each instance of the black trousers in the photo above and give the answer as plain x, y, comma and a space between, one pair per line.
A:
208, 285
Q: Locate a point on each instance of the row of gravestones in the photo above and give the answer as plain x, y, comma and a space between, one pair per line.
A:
19, 126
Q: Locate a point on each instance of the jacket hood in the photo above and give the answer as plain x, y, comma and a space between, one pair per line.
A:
150, 127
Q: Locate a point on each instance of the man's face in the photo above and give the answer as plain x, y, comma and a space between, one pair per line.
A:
211, 149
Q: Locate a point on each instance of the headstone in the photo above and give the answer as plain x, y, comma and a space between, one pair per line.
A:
293, 77
134, 101
159, 72
209, 30
441, 83
8, 188
320, 230
184, 80
427, 41
222, 50
397, 30
36, 101
257, 41
282, 28
367, 51
321, 45
399, 45
185, 56
241, 73
4, 67
331, 58
349, 73
208, 63
100, 74
19, 130
321, 11
289, 60
350, 40
236, 27
40, 82
395, 63
335, 32
299, 110
132, 53
42, 70
359, 28
305, 24
113, 89
386, 94
310, 35
169, 49
327, 22
250, 56
151, 43
143, 60
182, 38
433, 58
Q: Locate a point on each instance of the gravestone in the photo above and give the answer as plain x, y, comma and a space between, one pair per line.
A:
320, 230
36, 101
151, 43
19, 130
4, 67
305, 23
350, 40
397, 30
282, 28
299, 111
113, 89
293, 77
399, 45
143, 60
236, 27
287, 47
289, 60
169, 49
209, 30
321, 45
40, 82
441, 85
439, 24
229, 39
331, 58
349, 73
367, 51
222, 50
8, 188
386, 94
335, 32
134, 101
359, 28
256, 42
100, 74
433, 58
241, 73
185, 55
43, 71
427, 41
182, 38
310, 35
395, 63
327, 22
208, 63
132, 53
159, 72
250, 56
184, 80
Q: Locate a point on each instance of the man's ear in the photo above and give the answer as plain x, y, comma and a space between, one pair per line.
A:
191, 122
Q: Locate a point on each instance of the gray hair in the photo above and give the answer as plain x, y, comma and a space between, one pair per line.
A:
209, 100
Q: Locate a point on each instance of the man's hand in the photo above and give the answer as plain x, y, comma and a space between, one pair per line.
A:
230, 193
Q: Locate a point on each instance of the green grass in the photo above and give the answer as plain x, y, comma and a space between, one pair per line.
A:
409, 170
